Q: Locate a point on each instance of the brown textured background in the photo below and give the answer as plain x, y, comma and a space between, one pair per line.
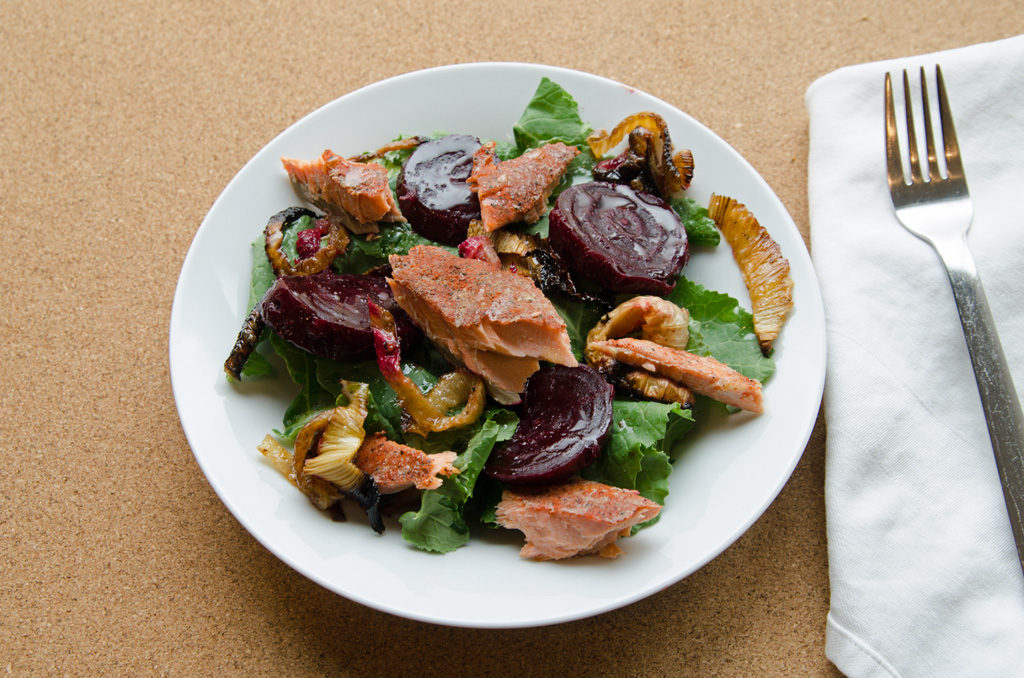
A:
120, 123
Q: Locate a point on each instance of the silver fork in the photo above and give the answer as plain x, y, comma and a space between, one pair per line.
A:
938, 210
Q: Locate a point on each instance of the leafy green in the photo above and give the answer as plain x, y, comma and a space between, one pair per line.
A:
580, 317
256, 365
262, 276
551, 115
364, 253
506, 150
538, 228
312, 397
700, 228
439, 525
639, 451
720, 328
393, 161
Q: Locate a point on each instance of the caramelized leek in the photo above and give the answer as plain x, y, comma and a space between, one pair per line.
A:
337, 241
649, 138
426, 413
765, 270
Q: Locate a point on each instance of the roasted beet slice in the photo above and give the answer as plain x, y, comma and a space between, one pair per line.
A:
564, 423
327, 314
622, 240
432, 189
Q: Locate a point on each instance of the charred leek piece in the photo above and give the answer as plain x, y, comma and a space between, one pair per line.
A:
551, 275
765, 270
335, 436
426, 413
340, 440
337, 241
245, 344
671, 172
659, 321
526, 254
320, 492
652, 387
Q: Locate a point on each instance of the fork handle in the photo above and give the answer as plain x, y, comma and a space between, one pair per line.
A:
998, 396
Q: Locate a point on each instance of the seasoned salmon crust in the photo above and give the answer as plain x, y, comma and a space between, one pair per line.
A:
575, 518
495, 323
517, 189
397, 467
344, 188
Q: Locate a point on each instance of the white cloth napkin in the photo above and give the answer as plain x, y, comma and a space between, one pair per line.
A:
924, 574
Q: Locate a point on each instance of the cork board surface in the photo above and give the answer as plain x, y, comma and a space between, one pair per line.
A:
120, 123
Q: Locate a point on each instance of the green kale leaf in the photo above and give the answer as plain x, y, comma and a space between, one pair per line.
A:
720, 328
700, 228
551, 115
639, 452
579, 317
312, 397
365, 253
439, 525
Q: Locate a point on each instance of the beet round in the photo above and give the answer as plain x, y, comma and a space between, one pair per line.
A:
564, 424
327, 315
623, 240
432, 189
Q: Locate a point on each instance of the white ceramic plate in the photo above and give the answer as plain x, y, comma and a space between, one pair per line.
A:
730, 471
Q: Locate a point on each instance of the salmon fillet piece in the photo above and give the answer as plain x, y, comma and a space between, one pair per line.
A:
572, 519
396, 467
495, 323
517, 189
344, 188
698, 373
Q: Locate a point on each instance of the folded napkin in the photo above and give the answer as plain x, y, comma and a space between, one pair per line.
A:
924, 573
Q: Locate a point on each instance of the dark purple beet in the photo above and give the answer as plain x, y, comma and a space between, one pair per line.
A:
623, 240
432, 190
326, 314
564, 423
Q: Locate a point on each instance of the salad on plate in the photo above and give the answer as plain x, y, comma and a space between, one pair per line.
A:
502, 331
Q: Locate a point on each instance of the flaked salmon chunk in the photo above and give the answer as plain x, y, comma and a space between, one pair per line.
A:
397, 467
517, 190
700, 374
495, 323
576, 518
344, 188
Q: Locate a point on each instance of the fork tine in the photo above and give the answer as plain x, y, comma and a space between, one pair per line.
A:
894, 161
954, 167
915, 164
929, 134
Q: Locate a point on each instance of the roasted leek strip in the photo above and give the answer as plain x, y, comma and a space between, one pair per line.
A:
765, 270
245, 344
337, 241
427, 413
340, 440
649, 138
323, 466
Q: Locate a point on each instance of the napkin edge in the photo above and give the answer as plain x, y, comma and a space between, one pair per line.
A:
856, 657
837, 73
